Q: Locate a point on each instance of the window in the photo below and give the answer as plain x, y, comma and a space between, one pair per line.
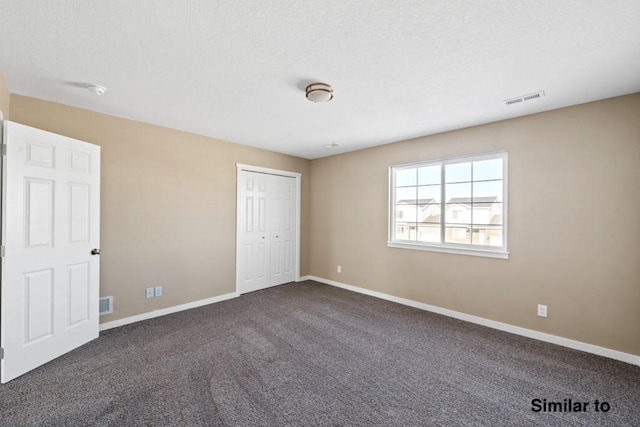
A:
454, 205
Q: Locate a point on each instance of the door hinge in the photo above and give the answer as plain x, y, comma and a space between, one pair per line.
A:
1, 251
4, 149
1, 353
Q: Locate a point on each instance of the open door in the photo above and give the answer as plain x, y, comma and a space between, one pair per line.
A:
50, 242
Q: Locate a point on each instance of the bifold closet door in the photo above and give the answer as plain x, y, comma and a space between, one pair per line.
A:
266, 230
253, 232
282, 224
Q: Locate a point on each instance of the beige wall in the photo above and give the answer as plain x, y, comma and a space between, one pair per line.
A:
168, 217
168, 204
5, 98
574, 234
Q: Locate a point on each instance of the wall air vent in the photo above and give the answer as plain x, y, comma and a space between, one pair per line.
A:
523, 98
106, 305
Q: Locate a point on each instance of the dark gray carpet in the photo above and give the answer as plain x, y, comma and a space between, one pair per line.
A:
307, 354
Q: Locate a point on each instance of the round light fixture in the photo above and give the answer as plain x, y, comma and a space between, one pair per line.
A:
319, 92
96, 89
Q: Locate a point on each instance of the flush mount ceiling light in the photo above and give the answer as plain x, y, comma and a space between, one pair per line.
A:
96, 89
319, 92
332, 145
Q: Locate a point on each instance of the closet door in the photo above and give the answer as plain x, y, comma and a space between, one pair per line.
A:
252, 265
282, 196
266, 230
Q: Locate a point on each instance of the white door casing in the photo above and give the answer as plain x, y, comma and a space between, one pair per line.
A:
268, 228
51, 224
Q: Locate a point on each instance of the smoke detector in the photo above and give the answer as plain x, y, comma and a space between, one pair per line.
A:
319, 92
96, 89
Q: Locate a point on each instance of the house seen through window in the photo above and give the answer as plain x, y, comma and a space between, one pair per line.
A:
452, 205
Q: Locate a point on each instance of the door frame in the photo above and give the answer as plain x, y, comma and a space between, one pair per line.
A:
3, 168
259, 169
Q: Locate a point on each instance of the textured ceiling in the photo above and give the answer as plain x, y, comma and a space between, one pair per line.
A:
236, 70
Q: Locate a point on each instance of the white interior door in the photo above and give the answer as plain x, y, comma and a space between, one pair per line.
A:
253, 232
268, 223
282, 225
51, 225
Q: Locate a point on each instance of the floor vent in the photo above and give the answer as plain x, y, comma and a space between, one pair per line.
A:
528, 97
106, 305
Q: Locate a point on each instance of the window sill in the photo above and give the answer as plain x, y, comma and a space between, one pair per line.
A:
450, 250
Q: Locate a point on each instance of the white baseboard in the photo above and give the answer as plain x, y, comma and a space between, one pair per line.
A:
165, 311
303, 278
530, 333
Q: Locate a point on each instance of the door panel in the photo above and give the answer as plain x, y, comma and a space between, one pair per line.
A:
276, 256
38, 298
78, 293
38, 212
79, 218
50, 280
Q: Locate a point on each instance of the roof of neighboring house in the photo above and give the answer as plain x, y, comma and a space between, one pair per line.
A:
414, 202
467, 200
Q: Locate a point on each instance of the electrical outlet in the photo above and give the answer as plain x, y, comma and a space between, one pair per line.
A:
542, 310
158, 291
339, 269
149, 292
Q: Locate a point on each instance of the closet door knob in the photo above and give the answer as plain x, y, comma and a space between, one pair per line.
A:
95, 252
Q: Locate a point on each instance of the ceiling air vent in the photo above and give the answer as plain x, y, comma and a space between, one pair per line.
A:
523, 98
513, 101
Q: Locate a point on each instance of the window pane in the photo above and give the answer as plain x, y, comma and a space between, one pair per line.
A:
412, 232
487, 213
454, 233
406, 213
406, 195
459, 214
457, 172
429, 194
458, 193
429, 175
406, 177
487, 236
429, 233
487, 169
402, 230
487, 191
429, 213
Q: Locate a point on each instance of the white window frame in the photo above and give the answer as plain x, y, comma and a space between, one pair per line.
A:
447, 247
